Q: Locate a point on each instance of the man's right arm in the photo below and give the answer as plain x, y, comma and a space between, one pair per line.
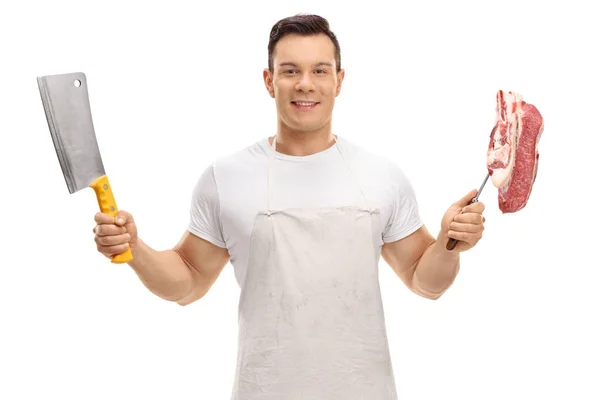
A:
186, 272
183, 274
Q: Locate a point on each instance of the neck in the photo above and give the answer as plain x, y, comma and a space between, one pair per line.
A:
304, 143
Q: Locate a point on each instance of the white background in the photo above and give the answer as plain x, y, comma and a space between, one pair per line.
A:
173, 87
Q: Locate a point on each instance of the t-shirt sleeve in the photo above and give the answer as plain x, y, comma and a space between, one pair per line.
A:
205, 220
405, 217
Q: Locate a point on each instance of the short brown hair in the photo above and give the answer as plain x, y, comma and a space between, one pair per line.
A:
302, 24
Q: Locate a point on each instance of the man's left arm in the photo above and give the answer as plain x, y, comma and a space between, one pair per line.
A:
422, 261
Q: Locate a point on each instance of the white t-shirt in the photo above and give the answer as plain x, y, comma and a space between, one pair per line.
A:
231, 191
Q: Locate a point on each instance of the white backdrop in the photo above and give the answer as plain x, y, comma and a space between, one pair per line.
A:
173, 87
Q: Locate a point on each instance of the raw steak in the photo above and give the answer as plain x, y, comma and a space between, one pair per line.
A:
512, 157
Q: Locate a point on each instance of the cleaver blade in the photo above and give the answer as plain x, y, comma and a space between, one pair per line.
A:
68, 113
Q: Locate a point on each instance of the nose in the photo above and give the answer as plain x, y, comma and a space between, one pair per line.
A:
305, 83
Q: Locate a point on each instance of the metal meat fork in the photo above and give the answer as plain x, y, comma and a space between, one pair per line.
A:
452, 242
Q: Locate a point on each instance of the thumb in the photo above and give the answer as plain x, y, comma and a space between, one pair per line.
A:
122, 218
466, 200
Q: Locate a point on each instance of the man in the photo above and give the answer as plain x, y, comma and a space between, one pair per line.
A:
304, 217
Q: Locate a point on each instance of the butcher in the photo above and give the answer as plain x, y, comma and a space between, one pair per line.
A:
303, 216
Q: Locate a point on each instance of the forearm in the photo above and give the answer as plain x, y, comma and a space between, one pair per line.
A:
164, 273
436, 270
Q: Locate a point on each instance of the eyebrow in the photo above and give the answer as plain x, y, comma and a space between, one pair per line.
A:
319, 64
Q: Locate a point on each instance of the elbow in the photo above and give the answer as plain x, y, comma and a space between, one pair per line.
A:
196, 292
437, 288
183, 302
189, 299
175, 291
427, 294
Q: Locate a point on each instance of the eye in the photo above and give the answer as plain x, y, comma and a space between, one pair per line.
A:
321, 71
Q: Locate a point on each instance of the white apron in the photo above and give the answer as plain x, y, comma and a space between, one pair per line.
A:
311, 321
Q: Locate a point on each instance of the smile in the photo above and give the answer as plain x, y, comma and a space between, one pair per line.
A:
305, 105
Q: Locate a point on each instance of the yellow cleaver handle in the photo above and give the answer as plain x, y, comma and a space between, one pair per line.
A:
108, 205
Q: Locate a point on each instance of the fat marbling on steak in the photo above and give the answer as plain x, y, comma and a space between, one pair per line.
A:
512, 157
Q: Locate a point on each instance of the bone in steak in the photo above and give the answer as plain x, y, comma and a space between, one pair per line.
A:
512, 157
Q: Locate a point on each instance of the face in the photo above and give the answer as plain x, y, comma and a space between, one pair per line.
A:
304, 82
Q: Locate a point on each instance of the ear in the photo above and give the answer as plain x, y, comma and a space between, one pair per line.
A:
340, 79
268, 78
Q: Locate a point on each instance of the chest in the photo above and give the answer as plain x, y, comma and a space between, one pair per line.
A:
293, 188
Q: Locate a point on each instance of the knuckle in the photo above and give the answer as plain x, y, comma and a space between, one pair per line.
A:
125, 215
117, 249
109, 240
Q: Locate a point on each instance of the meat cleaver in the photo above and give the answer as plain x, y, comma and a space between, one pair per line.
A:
68, 113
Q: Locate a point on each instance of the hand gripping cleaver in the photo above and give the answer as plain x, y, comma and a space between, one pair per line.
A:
68, 113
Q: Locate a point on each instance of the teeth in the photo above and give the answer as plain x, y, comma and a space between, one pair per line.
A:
305, 103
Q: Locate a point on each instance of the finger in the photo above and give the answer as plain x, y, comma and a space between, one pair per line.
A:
113, 250
466, 237
477, 207
468, 228
107, 241
109, 230
101, 218
123, 218
469, 218
466, 200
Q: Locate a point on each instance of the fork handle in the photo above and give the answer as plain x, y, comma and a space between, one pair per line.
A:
451, 244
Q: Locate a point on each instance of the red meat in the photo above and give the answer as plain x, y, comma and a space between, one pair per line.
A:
512, 157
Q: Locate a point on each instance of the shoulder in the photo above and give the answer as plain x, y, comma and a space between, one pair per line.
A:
237, 172
233, 165
364, 159
256, 152
237, 163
